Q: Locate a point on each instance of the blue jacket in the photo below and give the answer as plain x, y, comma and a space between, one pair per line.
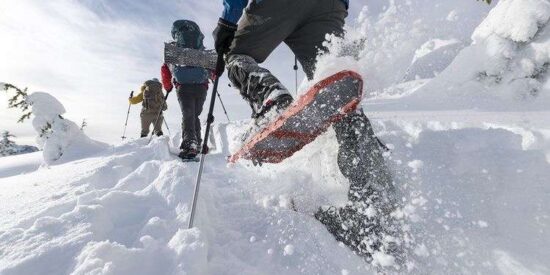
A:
233, 9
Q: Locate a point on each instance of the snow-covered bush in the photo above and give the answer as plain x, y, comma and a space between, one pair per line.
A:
505, 67
515, 38
56, 135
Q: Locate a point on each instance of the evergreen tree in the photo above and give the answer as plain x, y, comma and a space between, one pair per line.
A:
19, 100
6, 135
83, 125
7, 146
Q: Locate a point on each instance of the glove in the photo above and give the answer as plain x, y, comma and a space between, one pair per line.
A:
223, 36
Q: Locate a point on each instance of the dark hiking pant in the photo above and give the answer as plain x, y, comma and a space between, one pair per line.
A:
191, 98
266, 24
149, 117
303, 26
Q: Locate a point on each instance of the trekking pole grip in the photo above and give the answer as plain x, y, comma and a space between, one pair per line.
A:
220, 66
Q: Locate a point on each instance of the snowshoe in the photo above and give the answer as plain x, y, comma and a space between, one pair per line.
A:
296, 125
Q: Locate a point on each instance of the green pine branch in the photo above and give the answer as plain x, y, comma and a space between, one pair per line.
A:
6, 135
18, 101
83, 125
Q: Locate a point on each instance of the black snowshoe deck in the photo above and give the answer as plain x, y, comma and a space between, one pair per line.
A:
325, 103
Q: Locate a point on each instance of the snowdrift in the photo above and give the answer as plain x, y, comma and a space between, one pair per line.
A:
20, 164
474, 198
504, 69
395, 41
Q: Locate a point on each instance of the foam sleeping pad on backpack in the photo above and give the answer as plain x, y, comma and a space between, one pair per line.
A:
189, 57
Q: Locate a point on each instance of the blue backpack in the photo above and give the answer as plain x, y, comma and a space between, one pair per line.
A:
187, 34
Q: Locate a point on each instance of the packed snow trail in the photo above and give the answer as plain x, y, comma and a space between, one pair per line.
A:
126, 210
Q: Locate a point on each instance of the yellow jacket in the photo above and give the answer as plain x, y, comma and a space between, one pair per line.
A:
138, 98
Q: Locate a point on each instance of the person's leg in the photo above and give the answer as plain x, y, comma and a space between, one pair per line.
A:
306, 41
145, 123
354, 133
257, 85
371, 194
157, 130
187, 106
264, 25
360, 157
200, 98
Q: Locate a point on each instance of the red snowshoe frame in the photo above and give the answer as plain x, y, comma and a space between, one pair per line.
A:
304, 120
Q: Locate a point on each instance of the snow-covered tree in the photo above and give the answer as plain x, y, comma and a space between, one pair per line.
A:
506, 65
7, 146
6, 135
55, 133
83, 125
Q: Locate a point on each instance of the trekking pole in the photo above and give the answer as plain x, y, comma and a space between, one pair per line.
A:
220, 66
296, 74
167, 128
127, 115
223, 107
157, 120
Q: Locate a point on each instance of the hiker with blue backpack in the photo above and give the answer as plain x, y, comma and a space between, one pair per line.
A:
191, 84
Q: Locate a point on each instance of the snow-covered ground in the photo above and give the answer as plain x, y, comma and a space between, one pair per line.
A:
19, 164
470, 155
475, 195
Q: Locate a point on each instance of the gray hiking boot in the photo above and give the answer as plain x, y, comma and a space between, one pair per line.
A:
277, 100
189, 152
269, 112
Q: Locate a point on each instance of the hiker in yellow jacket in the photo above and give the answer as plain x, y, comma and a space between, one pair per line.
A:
152, 100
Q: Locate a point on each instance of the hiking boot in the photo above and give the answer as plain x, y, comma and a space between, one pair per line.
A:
277, 101
270, 112
190, 153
